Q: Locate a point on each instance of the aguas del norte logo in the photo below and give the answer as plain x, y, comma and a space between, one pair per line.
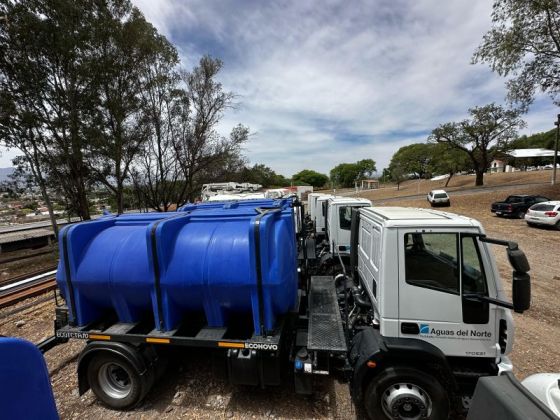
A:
425, 329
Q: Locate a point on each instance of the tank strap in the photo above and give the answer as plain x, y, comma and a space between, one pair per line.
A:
262, 211
157, 276
67, 275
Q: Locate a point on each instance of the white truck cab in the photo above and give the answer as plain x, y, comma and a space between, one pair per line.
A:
440, 258
312, 204
320, 214
427, 284
339, 220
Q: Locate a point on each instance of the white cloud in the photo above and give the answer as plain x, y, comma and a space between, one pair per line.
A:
313, 75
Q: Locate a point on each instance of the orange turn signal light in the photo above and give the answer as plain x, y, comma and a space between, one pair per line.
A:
371, 364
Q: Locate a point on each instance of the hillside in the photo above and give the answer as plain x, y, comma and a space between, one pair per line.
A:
457, 183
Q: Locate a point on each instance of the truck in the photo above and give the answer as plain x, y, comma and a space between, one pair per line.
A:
217, 188
410, 323
320, 220
516, 205
338, 220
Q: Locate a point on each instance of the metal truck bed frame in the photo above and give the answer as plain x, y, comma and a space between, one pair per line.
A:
189, 334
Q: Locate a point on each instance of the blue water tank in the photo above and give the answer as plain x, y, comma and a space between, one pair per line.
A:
256, 202
170, 266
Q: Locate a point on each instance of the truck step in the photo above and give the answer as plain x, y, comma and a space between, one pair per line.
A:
325, 325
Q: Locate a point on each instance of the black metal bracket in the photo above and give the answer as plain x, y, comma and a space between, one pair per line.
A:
262, 211
481, 298
70, 296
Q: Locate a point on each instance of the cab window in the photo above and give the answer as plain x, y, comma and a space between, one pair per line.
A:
431, 261
345, 217
474, 280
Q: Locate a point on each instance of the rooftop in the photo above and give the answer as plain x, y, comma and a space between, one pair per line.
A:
405, 216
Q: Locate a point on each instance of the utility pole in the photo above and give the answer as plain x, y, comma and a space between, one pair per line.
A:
557, 124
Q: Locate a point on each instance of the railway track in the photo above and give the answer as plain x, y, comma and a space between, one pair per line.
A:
18, 278
26, 256
19, 288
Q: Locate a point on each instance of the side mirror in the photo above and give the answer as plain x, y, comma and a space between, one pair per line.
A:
521, 292
518, 260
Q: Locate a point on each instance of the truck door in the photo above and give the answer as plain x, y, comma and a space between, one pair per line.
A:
435, 269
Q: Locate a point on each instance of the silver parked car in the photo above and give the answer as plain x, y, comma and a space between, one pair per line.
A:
544, 214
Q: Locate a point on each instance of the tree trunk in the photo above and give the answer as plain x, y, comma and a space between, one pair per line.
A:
448, 179
120, 206
49, 204
37, 174
479, 177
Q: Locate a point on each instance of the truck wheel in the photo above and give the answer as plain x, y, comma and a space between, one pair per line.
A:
406, 393
520, 214
115, 381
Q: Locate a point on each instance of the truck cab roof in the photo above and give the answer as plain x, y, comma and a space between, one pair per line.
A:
406, 217
349, 200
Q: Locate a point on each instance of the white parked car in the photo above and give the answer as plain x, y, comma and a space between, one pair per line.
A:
547, 213
438, 198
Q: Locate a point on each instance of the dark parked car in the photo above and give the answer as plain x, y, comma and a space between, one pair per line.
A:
516, 205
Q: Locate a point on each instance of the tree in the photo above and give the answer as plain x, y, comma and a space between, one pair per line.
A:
184, 149
397, 174
261, 174
524, 43
127, 44
200, 149
310, 177
47, 69
448, 160
414, 159
486, 134
346, 174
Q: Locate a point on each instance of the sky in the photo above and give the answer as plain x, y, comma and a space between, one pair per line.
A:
325, 82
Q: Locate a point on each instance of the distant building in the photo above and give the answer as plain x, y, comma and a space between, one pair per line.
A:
530, 153
369, 184
497, 165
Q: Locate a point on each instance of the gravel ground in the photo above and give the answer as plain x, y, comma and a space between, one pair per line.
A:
191, 389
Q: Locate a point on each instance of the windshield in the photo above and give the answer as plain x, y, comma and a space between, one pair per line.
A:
442, 195
543, 207
514, 199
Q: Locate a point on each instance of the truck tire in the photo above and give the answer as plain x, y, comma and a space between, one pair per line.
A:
115, 381
520, 214
406, 393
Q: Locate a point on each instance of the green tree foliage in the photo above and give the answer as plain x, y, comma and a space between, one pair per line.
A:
397, 174
524, 44
184, 150
346, 174
544, 140
91, 94
127, 46
310, 177
414, 159
448, 160
485, 135
263, 175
